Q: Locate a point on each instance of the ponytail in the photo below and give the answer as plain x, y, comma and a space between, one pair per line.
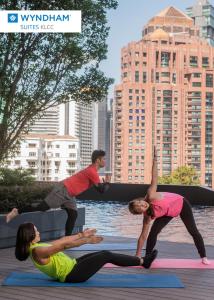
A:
150, 211
25, 235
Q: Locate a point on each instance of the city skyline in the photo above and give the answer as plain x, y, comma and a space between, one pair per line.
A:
137, 13
165, 98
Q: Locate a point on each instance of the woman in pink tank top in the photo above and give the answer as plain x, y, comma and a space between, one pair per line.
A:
163, 207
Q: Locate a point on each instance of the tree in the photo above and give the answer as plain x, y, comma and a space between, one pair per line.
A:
185, 175
40, 70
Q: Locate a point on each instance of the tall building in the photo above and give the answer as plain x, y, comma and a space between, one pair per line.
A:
48, 123
105, 131
81, 121
109, 137
50, 157
203, 15
165, 98
102, 123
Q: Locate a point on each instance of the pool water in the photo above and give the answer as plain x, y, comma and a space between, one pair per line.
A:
114, 219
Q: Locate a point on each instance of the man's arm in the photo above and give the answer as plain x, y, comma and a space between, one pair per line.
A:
154, 182
143, 235
102, 187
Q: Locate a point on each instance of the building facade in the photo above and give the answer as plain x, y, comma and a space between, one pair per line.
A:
48, 123
109, 137
165, 98
203, 15
50, 157
81, 121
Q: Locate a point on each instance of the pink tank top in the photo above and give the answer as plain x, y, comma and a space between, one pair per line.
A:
170, 205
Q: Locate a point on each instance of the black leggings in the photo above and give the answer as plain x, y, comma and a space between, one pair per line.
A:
87, 265
187, 217
43, 206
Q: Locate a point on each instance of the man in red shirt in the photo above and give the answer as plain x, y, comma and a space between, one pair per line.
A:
64, 193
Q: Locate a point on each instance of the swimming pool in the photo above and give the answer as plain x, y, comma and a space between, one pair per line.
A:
113, 218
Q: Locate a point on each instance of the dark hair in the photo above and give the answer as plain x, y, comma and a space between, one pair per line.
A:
25, 235
97, 154
149, 211
132, 208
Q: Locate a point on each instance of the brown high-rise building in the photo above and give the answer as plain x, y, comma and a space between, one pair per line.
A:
165, 98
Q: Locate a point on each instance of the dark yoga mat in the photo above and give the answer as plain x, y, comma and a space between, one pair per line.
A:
98, 280
105, 246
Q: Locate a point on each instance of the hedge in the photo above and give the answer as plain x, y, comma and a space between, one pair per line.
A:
19, 196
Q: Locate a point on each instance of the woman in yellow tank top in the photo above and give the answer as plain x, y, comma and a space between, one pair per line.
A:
50, 259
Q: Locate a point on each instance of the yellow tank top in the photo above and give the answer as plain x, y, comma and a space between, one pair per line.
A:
59, 266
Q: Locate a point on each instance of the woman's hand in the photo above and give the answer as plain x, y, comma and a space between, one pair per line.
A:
88, 232
95, 239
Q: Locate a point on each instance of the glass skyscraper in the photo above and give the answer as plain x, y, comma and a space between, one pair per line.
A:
203, 15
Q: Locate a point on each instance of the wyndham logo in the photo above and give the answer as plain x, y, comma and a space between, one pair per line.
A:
12, 18
45, 18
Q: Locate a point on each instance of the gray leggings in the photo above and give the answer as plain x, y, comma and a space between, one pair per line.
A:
43, 206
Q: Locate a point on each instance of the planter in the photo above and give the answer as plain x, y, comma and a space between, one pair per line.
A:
51, 225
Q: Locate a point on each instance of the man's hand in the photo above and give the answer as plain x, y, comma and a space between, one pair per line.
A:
107, 178
88, 232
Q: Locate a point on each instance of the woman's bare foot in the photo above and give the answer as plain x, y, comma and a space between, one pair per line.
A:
205, 261
12, 214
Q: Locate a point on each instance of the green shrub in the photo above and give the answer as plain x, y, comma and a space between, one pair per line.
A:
19, 196
21, 177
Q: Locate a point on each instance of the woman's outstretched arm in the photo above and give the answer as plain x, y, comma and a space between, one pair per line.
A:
86, 237
143, 236
151, 192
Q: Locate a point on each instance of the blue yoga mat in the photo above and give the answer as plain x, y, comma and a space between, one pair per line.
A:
98, 280
105, 246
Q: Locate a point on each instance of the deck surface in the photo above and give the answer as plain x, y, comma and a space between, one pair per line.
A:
199, 284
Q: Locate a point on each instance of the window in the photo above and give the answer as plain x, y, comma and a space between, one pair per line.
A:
157, 77
165, 58
196, 84
193, 61
205, 61
31, 145
209, 100
144, 77
71, 146
209, 80
197, 75
165, 74
136, 76
32, 153
174, 78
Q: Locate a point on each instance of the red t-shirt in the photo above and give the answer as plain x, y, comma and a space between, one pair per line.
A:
81, 181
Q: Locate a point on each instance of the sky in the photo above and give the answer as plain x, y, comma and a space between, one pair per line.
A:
126, 24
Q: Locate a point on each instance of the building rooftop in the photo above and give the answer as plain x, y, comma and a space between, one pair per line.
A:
159, 34
49, 137
172, 12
